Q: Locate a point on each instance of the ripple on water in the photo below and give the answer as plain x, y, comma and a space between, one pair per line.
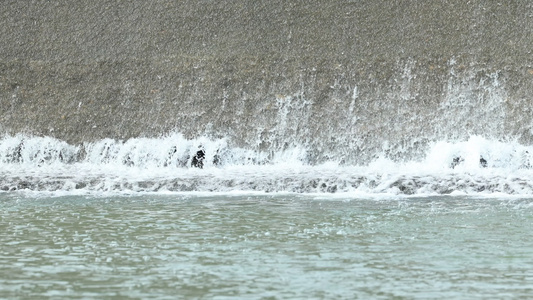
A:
264, 246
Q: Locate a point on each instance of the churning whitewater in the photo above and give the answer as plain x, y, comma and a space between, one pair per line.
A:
175, 164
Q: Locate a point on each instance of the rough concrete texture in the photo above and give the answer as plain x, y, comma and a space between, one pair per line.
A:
343, 78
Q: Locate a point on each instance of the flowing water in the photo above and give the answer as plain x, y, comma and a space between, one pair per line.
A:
134, 220
265, 247
276, 149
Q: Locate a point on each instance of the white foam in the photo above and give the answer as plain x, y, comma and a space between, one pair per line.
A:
163, 165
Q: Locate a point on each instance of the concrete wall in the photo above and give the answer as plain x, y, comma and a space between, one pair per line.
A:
338, 76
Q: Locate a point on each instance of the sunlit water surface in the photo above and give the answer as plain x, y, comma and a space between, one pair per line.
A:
264, 247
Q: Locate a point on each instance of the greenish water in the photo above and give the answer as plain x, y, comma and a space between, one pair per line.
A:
264, 247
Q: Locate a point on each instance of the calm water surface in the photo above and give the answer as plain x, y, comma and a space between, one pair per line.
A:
264, 247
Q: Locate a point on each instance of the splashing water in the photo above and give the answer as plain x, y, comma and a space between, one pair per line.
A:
475, 166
